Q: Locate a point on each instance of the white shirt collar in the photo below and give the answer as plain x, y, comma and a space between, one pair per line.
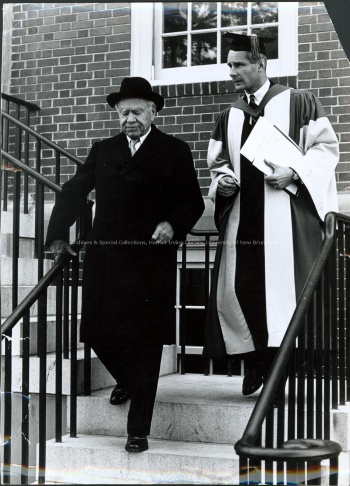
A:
258, 95
142, 139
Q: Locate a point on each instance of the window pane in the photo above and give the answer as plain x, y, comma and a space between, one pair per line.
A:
264, 12
174, 16
204, 49
233, 14
271, 47
204, 15
175, 51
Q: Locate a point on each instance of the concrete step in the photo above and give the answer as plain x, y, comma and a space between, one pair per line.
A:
23, 291
26, 225
17, 339
193, 408
96, 459
26, 246
99, 375
27, 270
100, 378
188, 408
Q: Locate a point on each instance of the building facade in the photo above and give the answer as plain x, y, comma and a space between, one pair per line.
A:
67, 57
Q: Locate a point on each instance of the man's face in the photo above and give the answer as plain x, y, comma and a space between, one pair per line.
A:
244, 74
135, 116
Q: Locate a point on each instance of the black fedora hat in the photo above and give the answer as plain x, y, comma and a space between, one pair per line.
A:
136, 87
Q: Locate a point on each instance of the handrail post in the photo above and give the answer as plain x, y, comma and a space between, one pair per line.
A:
37, 207
42, 346
26, 161
209, 361
73, 355
334, 324
347, 313
183, 309
59, 321
66, 312
25, 398
341, 305
7, 409
15, 237
5, 141
58, 168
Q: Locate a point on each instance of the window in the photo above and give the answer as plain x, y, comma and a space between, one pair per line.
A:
182, 41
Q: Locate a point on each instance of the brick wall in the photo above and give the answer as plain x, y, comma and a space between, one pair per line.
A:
325, 70
67, 57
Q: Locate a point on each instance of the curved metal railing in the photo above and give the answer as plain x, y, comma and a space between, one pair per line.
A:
24, 170
314, 357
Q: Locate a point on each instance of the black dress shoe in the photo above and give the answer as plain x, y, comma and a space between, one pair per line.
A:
136, 443
252, 381
119, 395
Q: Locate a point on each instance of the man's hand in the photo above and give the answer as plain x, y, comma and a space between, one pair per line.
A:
281, 177
163, 233
227, 186
59, 246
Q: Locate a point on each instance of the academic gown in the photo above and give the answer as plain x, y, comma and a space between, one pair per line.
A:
268, 239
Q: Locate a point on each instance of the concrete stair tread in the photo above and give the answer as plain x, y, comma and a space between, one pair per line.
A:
96, 459
187, 408
198, 389
156, 446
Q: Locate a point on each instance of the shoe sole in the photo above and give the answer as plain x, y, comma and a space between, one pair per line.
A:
133, 451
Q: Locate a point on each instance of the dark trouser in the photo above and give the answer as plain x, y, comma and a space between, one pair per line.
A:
135, 367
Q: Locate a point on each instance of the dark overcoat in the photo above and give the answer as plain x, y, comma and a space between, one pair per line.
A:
128, 281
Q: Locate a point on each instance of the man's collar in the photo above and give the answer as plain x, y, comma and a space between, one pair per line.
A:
142, 139
258, 95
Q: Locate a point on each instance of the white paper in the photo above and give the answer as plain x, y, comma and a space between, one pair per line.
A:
268, 142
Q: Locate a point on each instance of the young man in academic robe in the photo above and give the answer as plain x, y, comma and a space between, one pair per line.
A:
269, 238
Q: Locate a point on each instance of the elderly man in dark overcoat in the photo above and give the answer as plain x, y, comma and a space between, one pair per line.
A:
147, 200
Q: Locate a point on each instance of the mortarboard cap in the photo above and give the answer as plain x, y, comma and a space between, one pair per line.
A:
249, 43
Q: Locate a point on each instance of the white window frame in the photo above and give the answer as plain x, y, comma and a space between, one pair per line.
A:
145, 50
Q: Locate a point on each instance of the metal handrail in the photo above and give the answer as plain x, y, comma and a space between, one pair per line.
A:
33, 173
314, 449
43, 139
206, 233
21, 310
38, 290
39, 294
20, 102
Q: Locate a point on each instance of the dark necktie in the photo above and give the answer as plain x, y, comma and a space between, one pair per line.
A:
252, 104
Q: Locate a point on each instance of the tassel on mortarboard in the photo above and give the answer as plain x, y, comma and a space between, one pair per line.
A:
255, 49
